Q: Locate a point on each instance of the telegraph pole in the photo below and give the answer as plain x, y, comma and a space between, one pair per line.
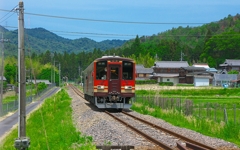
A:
22, 142
59, 74
2, 72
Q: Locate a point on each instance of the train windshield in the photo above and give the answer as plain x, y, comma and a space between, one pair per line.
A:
101, 70
127, 70
114, 73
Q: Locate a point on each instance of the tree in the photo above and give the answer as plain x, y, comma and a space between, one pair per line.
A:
10, 73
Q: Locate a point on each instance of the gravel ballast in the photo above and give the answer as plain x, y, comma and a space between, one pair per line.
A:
107, 131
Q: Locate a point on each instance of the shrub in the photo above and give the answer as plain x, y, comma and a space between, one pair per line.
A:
146, 81
41, 86
166, 83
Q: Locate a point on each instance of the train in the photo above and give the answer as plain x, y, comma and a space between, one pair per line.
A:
109, 82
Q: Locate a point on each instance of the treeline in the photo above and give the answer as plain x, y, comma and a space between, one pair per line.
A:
211, 43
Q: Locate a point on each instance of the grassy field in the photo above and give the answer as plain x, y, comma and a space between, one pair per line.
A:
51, 127
204, 101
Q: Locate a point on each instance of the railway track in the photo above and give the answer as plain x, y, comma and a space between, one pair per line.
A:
76, 90
154, 135
140, 126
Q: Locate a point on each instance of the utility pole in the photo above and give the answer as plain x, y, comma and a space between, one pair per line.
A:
59, 74
182, 54
2, 73
51, 69
2, 70
22, 142
54, 72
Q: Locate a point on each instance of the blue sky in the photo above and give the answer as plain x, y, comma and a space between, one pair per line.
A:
164, 13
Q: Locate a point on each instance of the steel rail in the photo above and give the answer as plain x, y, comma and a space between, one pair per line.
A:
141, 133
172, 133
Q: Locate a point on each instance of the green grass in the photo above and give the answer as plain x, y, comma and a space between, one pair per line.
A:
212, 95
212, 125
51, 127
229, 132
9, 99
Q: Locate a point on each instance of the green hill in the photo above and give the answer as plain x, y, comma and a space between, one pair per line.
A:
40, 40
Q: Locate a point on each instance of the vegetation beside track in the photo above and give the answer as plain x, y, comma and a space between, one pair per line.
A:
51, 127
228, 131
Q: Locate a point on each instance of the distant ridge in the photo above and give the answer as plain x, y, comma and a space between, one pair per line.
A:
40, 40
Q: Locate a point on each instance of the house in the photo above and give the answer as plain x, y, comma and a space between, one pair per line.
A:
168, 71
212, 70
39, 81
3, 78
143, 73
220, 79
204, 65
231, 64
195, 75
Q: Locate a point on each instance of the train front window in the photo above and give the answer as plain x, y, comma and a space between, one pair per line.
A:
127, 68
114, 73
101, 70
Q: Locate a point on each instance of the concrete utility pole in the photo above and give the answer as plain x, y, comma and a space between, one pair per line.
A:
54, 80
2, 72
22, 142
182, 54
2, 69
59, 74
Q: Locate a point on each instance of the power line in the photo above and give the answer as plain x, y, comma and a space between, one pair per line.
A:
93, 33
110, 21
77, 33
74, 33
7, 18
8, 14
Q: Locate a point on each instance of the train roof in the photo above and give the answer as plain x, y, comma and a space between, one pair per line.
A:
113, 57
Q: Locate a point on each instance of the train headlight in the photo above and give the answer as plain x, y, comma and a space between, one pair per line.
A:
128, 87
100, 87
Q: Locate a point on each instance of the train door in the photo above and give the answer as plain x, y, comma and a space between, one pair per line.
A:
114, 78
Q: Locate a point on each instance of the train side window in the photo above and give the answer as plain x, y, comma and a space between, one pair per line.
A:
127, 70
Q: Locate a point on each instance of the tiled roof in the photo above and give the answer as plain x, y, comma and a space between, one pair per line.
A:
194, 68
141, 69
139, 66
171, 64
231, 62
144, 70
211, 69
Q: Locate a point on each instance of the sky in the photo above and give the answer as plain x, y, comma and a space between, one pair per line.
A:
107, 19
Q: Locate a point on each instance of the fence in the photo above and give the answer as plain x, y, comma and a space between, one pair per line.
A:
211, 111
13, 105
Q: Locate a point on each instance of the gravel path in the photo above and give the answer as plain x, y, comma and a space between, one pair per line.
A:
105, 130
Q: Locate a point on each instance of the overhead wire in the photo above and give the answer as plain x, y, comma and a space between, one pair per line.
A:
98, 20
72, 33
111, 21
8, 14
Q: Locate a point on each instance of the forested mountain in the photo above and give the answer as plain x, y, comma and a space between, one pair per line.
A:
210, 43
39, 40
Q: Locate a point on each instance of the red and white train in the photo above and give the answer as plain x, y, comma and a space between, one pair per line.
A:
109, 82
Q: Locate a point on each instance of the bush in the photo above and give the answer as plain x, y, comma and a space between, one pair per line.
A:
146, 81
166, 83
41, 86
181, 84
